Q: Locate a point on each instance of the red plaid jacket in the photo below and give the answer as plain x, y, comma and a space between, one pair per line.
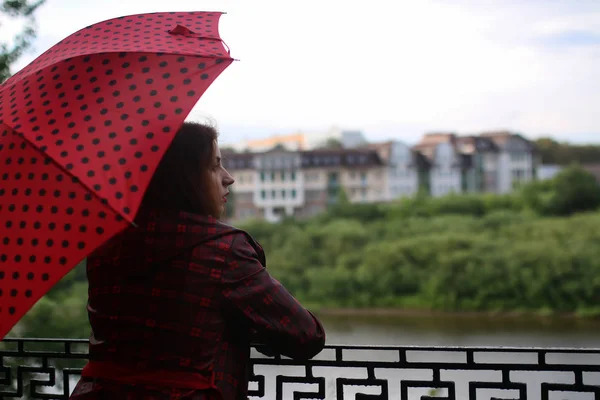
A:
184, 294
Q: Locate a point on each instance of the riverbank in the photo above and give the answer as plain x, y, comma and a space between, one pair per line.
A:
414, 312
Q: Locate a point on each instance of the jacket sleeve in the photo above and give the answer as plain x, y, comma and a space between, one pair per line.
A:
278, 318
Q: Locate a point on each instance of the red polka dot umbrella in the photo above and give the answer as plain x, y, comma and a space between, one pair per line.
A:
82, 129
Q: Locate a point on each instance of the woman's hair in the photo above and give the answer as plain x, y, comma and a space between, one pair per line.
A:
182, 179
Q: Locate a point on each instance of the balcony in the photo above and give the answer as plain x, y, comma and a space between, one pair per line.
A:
49, 369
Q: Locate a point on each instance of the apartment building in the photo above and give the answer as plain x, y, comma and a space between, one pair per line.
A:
278, 183
446, 164
283, 182
406, 170
516, 159
481, 160
489, 162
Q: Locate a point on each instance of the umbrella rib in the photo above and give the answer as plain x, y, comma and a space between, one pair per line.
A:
104, 202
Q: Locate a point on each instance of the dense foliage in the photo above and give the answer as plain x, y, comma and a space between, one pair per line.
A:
536, 250
553, 152
525, 251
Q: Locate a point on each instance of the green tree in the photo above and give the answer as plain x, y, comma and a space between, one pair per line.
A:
575, 190
23, 9
571, 191
553, 152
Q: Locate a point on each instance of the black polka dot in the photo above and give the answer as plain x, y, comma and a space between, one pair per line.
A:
111, 108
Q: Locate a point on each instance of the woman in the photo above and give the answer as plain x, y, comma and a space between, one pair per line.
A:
175, 302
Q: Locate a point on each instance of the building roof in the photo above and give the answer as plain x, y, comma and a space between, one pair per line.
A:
316, 158
502, 136
434, 138
384, 149
429, 142
472, 144
354, 157
234, 160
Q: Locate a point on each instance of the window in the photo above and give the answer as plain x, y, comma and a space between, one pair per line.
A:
293, 193
282, 176
283, 194
518, 174
273, 194
333, 178
262, 176
263, 194
518, 156
272, 176
293, 175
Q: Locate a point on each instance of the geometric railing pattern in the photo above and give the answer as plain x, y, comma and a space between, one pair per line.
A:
49, 369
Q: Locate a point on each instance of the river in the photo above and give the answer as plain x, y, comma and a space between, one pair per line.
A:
468, 330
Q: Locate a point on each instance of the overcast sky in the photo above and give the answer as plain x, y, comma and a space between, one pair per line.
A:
393, 68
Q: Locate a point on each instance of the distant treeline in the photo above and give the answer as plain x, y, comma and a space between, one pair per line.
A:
553, 152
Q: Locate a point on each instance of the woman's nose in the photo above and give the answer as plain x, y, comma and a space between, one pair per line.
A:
228, 179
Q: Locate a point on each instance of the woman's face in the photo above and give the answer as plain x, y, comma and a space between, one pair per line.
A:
221, 177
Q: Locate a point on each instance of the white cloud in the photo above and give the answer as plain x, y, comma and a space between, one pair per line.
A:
388, 66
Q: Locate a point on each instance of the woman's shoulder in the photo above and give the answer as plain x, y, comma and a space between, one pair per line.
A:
204, 233
243, 244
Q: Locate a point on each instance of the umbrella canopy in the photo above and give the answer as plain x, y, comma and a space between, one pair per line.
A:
82, 129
